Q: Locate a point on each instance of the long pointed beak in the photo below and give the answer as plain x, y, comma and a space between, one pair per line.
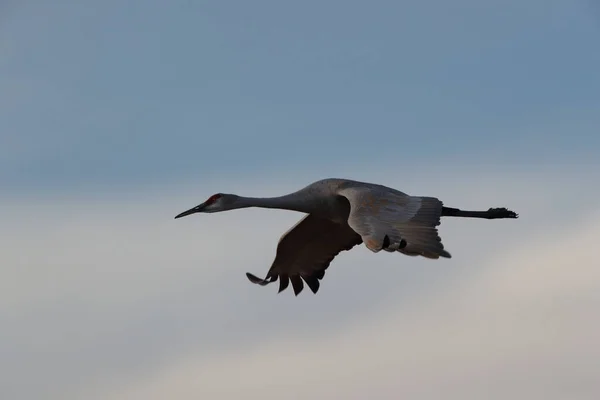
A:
191, 211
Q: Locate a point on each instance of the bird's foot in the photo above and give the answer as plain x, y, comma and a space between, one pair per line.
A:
389, 246
494, 213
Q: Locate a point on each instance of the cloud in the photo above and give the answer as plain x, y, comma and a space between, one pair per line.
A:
108, 296
524, 327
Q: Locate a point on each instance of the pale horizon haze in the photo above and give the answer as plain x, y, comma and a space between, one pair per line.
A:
116, 116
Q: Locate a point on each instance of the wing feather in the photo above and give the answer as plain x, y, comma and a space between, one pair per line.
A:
376, 213
305, 251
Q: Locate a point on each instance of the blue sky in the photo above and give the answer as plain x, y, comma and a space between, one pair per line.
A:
116, 116
150, 92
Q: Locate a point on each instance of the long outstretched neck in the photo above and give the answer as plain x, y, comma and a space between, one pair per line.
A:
293, 202
492, 213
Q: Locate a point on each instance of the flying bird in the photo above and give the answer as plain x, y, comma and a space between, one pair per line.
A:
341, 214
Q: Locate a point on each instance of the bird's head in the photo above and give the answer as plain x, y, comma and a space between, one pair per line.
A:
215, 203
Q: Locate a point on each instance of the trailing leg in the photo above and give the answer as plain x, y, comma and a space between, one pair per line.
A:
492, 213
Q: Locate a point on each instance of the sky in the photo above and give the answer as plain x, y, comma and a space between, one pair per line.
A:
116, 116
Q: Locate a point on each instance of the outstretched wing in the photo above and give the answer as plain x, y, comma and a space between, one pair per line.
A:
305, 251
393, 221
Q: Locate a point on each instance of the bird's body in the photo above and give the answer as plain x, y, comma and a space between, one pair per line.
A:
341, 214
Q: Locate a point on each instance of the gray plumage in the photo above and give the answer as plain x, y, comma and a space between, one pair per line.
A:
341, 214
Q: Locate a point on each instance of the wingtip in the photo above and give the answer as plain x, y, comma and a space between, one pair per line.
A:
313, 284
254, 279
250, 276
284, 281
297, 284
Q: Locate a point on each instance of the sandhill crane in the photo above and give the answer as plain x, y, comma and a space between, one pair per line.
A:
344, 213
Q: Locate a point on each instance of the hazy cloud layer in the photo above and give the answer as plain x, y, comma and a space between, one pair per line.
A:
111, 298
